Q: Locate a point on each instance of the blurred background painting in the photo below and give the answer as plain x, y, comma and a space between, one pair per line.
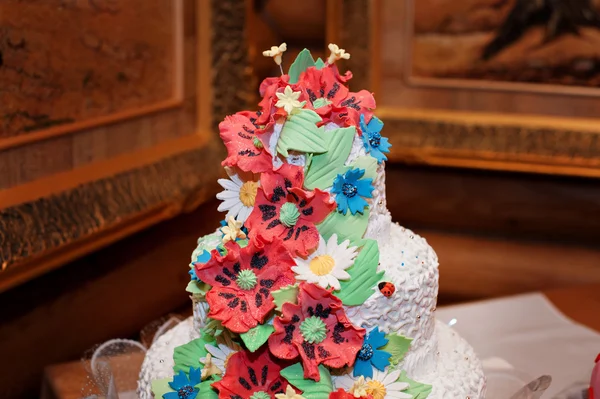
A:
517, 41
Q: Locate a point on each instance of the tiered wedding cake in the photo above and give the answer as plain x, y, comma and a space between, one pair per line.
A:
308, 290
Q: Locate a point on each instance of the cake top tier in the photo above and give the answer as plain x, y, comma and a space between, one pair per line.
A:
308, 157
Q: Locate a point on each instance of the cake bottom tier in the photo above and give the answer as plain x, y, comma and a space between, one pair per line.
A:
456, 373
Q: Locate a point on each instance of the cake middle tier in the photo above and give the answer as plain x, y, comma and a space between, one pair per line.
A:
411, 265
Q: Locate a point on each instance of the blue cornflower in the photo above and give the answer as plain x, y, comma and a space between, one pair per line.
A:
369, 356
202, 258
374, 143
184, 386
350, 189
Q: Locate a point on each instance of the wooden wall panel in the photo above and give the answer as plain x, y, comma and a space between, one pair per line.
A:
62, 67
112, 293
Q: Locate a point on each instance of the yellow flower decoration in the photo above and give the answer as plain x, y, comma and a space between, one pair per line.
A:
288, 100
289, 394
209, 368
337, 53
233, 230
359, 388
276, 52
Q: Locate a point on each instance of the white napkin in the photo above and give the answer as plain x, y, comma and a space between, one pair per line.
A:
529, 334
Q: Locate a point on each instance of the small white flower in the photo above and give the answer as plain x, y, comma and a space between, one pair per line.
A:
328, 264
239, 194
233, 230
289, 394
209, 367
219, 355
276, 52
359, 388
383, 385
288, 100
337, 53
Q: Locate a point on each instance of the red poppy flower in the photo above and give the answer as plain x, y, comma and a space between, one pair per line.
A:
341, 394
282, 209
268, 88
244, 149
317, 330
242, 281
249, 373
336, 103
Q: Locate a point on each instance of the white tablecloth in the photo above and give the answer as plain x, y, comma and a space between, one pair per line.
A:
531, 335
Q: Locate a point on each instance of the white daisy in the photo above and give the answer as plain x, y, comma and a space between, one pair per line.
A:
383, 385
219, 355
288, 100
239, 194
328, 264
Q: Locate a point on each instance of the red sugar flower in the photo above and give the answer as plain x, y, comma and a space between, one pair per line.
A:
244, 149
282, 209
250, 373
242, 281
331, 99
341, 394
317, 330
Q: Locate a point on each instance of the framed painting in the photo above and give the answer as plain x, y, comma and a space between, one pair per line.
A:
490, 84
104, 132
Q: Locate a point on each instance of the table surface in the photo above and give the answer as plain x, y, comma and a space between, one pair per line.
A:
580, 303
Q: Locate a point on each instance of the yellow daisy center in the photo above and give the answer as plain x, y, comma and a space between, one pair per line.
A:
376, 389
248, 193
321, 265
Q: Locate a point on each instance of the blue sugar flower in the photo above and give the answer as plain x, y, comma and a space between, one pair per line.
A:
350, 189
369, 356
372, 140
202, 258
184, 386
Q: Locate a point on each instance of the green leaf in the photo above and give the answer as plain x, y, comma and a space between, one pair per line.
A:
369, 164
363, 276
197, 287
161, 387
188, 355
418, 390
310, 389
347, 227
319, 64
206, 391
255, 337
300, 133
289, 293
303, 61
397, 346
325, 167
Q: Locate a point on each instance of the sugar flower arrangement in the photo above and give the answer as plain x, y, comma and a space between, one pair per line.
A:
291, 254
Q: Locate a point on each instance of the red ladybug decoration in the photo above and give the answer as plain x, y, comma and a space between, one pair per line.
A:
387, 288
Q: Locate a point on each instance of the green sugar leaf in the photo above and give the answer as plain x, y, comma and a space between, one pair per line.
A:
325, 167
255, 337
416, 389
310, 389
303, 61
369, 164
319, 64
347, 227
206, 391
363, 276
397, 346
300, 133
188, 355
289, 293
197, 287
161, 387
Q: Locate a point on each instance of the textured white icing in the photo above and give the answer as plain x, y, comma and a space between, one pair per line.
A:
456, 372
412, 266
